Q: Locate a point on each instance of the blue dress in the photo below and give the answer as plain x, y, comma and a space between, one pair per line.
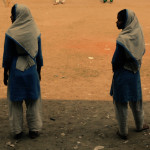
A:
23, 85
126, 85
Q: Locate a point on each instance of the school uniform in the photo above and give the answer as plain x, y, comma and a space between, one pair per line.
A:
22, 55
126, 83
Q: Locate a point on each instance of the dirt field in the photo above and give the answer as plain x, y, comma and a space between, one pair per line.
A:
78, 41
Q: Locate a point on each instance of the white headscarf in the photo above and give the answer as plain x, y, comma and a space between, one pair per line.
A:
25, 33
132, 37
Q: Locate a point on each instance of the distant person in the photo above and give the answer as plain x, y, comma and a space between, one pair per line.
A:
106, 1
7, 2
126, 64
59, 2
22, 61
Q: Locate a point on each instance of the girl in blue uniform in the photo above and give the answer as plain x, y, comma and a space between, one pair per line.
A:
22, 61
126, 63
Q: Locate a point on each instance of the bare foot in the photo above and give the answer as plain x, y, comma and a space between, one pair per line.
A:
145, 127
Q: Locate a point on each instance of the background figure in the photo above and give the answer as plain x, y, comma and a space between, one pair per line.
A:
6, 2
106, 1
22, 61
59, 2
126, 63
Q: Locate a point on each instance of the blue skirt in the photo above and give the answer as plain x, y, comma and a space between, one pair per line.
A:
126, 86
23, 85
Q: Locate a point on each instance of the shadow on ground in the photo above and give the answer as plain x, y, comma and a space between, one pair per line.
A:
75, 125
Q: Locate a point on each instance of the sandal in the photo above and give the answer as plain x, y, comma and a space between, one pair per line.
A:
145, 127
124, 137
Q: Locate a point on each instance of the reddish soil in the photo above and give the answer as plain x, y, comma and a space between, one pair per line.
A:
78, 41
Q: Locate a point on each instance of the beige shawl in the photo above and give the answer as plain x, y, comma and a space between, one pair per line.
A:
132, 38
25, 33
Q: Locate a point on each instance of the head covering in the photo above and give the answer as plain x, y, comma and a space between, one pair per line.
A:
24, 31
131, 37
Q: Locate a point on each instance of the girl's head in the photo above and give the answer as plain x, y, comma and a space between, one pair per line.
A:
13, 13
121, 19
20, 13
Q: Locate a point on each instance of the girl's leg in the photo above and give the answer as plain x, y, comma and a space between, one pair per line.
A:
15, 115
121, 110
62, 1
34, 114
138, 113
56, 2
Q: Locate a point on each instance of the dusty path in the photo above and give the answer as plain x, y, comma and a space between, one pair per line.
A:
76, 125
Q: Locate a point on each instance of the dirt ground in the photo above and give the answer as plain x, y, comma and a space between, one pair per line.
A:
78, 41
